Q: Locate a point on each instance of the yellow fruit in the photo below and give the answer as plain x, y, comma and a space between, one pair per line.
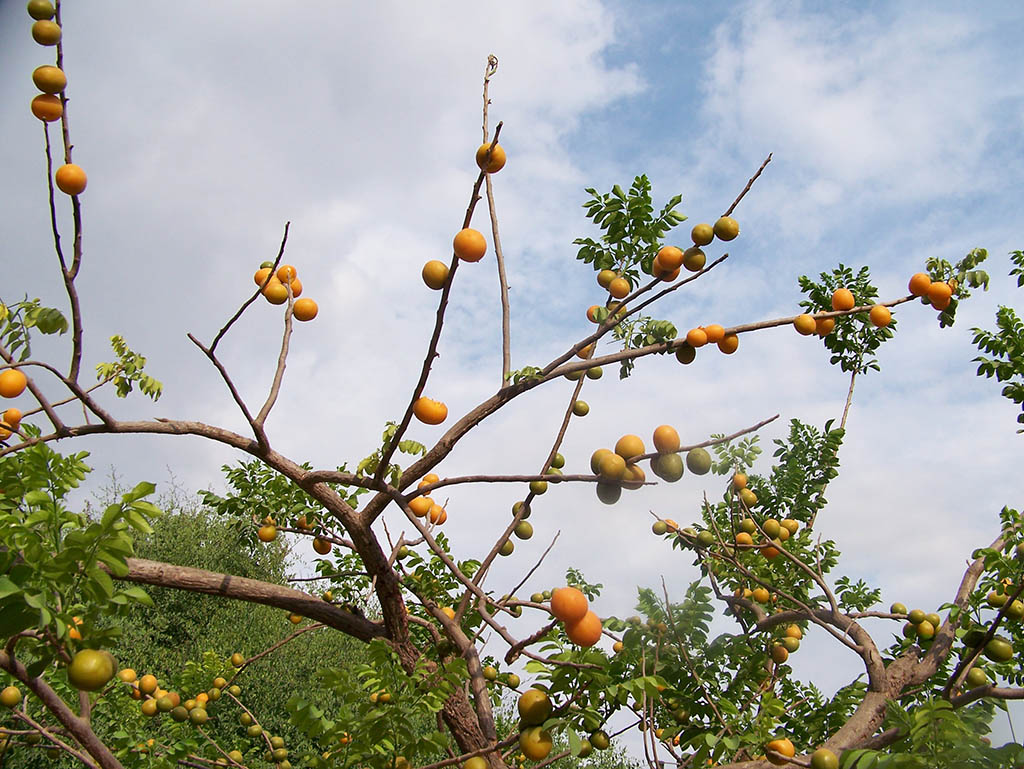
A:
781, 746
715, 333
702, 234
46, 32
276, 292
726, 228
535, 743
435, 274
804, 324
267, 533
10, 697
605, 278
534, 707
40, 9
495, 162
49, 79
629, 446
91, 669
321, 546
420, 506
619, 288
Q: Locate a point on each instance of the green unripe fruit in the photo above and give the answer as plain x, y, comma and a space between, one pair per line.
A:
538, 487
609, 493
558, 461
916, 616
686, 354
594, 373
698, 461
976, 677
198, 716
507, 547
523, 530
180, 713
705, 538
254, 731
823, 758
898, 608
659, 527
668, 467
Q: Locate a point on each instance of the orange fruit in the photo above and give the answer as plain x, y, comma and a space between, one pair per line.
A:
420, 506
147, 684
46, 32
585, 631
696, 337
267, 533
634, 477
469, 245
12, 383
12, 418
304, 309
739, 481
322, 546
919, 283
70, 179
823, 326
431, 478
939, 293
496, 161
605, 278
429, 411
592, 312
761, 595
670, 258
666, 439
660, 271
295, 619
73, 632
619, 288
286, 273
804, 324
569, 604
726, 228
629, 446
261, 275
794, 631
47, 107
729, 344
49, 79
437, 514
715, 333
611, 467
770, 552
744, 539
779, 654
842, 299
702, 234
276, 292
435, 274
782, 746
880, 315
586, 352
296, 286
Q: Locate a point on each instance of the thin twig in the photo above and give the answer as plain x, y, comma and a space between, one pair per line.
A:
282, 360
750, 184
254, 297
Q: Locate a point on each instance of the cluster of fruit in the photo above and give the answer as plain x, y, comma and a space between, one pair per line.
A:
277, 287
534, 740
51, 80
570, 606
469, 244
919, 625
776, 532
618, 469
12, 384
787, 644
425, 507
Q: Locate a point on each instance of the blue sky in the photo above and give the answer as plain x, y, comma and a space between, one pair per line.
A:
896, 133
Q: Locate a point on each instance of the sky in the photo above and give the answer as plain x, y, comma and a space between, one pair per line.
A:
895, 133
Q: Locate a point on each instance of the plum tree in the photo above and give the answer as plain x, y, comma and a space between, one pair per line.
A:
427, 691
